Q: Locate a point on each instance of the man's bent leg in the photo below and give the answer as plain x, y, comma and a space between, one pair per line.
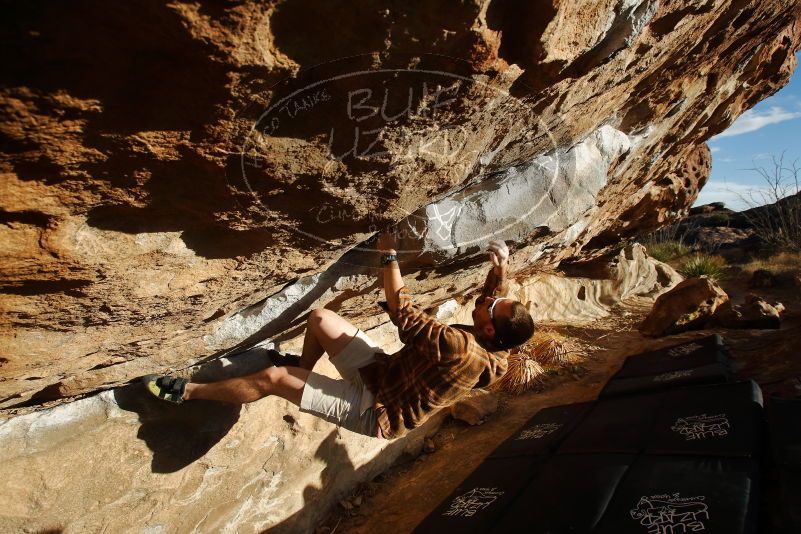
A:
285, 382
326, 332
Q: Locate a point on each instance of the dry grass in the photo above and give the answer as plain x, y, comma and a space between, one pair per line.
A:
550, 348
781, 263
547, 351
524, 373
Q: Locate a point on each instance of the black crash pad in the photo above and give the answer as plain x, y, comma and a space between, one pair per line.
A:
784, 425
675, 494
719, 420
569, 495
617, 425
480, 500
697, 353
543, 433
784, 429
708, 374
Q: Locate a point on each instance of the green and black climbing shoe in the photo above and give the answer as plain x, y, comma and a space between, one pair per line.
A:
166, 387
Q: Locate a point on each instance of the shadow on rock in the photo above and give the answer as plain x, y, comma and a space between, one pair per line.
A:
340, 477
177, 434
337, 476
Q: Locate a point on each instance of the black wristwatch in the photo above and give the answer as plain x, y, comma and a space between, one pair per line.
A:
387, 258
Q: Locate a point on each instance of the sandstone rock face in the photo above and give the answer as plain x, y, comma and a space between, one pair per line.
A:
688, 306
122, 462
545, 195
182, 162
182, 181
555, 297
582, 299
131, 461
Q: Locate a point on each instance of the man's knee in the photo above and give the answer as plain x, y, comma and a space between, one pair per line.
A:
319, 315
270, 378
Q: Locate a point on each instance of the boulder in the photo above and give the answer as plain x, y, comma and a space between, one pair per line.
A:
713, 238
754, 313
476, 407
688, 306
762, 278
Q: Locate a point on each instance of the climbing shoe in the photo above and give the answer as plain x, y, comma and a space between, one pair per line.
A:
166, 387
283, 360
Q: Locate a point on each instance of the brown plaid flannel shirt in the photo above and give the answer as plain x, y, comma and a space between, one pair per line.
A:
437, 365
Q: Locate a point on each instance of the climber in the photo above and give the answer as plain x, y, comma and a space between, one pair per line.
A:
382, 395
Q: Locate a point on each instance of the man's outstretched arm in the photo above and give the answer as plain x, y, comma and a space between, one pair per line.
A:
431, 338
496, 278
393, 280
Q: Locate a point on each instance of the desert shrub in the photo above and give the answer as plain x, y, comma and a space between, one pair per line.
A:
543, 355
666, 243
523, 374
713, 267
775, 211
666, 250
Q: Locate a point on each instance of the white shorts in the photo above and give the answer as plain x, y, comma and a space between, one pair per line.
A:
346, 402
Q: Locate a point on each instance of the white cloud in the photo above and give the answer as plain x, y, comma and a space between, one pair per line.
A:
752, 120
714, 149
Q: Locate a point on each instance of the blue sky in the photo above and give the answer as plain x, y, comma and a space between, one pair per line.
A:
767, 129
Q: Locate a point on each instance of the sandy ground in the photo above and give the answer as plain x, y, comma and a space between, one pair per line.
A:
397, 501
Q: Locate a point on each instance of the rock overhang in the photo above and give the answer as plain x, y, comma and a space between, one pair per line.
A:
133, 247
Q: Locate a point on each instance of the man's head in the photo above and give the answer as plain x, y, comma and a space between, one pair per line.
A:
504, 322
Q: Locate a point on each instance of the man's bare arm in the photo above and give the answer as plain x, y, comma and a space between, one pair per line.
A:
393, 280
496, 278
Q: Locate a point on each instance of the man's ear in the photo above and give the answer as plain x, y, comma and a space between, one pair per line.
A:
489, 330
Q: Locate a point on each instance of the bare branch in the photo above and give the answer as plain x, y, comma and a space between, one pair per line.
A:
775, 211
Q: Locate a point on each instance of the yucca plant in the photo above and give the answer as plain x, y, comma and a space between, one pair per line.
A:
713, 267
550, 348
545, 352
524, 373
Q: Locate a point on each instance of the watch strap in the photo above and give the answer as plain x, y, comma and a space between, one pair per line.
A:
388, 258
